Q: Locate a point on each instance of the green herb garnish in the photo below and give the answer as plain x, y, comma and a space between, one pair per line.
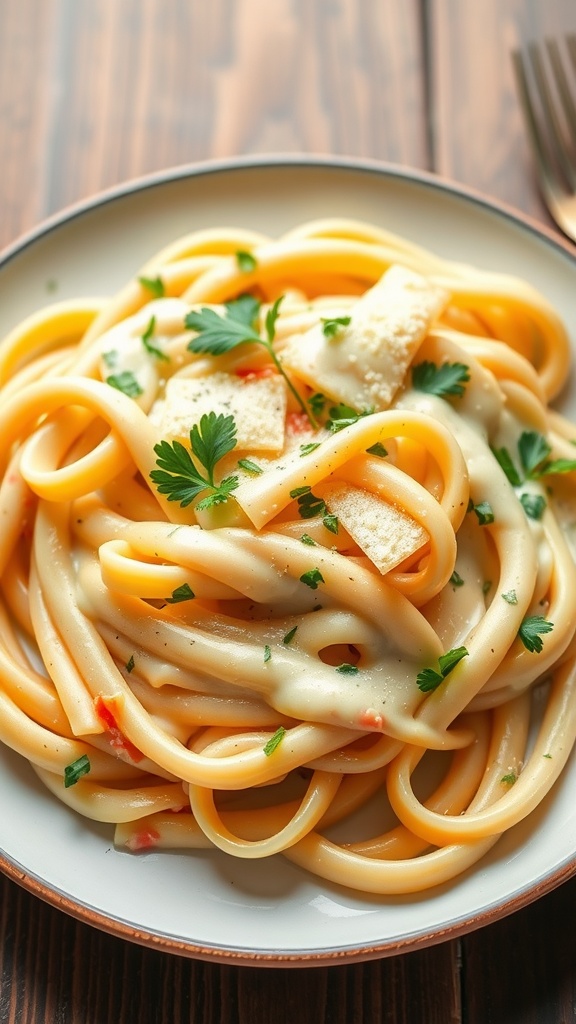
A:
531, 630
125, 382
484, 513
130, 664
312, 578
346, 669
332, 326
275, 740
456, 579
378, 450
267, 653
218, 333
511, 597
310, 506
152, 349
343, 415
155, 285
446, 379
75, 771
182, 593
429, 679
289, 635
246, 261
180, 479
250, 467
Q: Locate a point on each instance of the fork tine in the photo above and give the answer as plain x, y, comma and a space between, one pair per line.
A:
549, 109
561, 77
546, 174
556, 132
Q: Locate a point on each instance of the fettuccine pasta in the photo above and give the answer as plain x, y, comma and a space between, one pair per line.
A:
287, 561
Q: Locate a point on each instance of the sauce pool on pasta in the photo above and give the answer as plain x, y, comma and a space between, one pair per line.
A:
286, 535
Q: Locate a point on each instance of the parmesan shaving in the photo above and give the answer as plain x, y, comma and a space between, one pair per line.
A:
364, 363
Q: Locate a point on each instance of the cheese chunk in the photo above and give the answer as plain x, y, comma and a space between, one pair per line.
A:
385, 534
258, 406
364, 363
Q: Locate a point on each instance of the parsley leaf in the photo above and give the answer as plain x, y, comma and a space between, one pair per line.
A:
429, 679
250, 467
125, 382
312, 578
152, 349
289, 635
504, 459
274, 740
378, 450
310, 506
246, 261
447, 379
332, 326
183, 593
530, 632
317, 401
343, 415
218, 333
533, 449
534, 505
73, 772
155, 285
484, 513
178, 476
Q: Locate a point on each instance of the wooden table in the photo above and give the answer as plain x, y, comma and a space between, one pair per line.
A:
93, 92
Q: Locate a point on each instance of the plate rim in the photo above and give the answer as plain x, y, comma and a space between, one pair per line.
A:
83, 912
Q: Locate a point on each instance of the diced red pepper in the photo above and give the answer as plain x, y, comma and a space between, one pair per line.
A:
117, 740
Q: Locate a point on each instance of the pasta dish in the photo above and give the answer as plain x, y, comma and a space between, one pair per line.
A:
288, 553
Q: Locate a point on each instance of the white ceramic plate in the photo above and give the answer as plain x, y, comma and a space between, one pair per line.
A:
204, 904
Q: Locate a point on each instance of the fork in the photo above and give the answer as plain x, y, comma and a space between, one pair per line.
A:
549, 106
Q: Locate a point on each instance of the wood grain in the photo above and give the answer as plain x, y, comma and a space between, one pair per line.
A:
480, 137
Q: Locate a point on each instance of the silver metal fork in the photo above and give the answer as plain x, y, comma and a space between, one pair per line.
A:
546, 81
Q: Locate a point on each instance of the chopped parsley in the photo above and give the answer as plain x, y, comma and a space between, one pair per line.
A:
343, 415
267, 653
534, 505
531, 630
73, 772
130, 664
183, 593
152, 349
378, 450
250, 467
346, 669
509, 779
307, 539
179, 477
446, 379
125, 382
332, 326
310, 506
218, 333
307, 449
312, 578
317, 401
289, 635
533, 456
246, 261
429, 679
484, 513
155, 285
275, 740
510, 597
456, 579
